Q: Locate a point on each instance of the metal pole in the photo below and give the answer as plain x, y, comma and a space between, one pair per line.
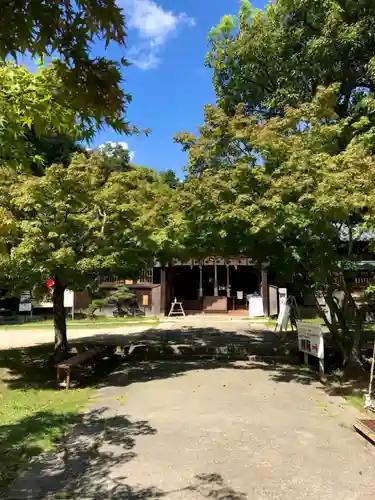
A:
200, 281
228, 284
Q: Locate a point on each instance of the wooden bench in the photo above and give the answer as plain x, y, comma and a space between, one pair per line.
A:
76, 360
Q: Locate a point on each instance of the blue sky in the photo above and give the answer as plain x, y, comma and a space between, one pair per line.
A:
169, 83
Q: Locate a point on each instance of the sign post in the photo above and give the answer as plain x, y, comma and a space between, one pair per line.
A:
25, 304
311, 341
284, 315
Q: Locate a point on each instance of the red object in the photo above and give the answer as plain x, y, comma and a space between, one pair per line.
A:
50, 283
315, 348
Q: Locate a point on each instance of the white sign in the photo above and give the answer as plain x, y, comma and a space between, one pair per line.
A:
283, 318
255, 306
25, 302
24, 307
46, 303
310, 339
283, 296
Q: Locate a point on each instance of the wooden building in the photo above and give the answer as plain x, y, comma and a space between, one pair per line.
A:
210, 285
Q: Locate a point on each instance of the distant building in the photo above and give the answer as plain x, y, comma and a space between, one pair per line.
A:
210, 285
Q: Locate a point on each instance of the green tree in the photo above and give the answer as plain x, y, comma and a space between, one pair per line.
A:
169, 177
66, 32
36, 105
285, 160
121, 296
270, 59
74, 224
296, 200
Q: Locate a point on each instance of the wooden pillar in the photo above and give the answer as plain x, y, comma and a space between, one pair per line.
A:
264, 290
216, 288
163, 299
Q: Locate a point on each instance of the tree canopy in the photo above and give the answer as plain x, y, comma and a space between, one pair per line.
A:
75, 223
278, 57
282, 168
66, 213
65, 32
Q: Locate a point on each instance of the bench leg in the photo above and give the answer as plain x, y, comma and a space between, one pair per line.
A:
68, 378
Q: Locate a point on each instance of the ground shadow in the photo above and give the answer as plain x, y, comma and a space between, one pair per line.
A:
213, 486
159, 354
84, 462
82, 466
26, 367
21, 441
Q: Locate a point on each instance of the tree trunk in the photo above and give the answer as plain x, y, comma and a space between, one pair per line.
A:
355, 350
333, 325
59, 320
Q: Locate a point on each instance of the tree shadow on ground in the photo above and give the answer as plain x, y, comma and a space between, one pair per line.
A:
86, 461
27, 368
83, 459
21, 441
213, 486
160, 354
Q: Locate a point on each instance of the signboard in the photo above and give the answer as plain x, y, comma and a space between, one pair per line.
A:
310, 339
283, 318
25, 302
255, 306
46, 303
210, 261
145, 300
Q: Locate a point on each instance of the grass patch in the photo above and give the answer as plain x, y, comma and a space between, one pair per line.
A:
272, 322
268, 322
33, 414
357, 400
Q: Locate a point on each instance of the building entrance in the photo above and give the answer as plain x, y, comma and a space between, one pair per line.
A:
212, 288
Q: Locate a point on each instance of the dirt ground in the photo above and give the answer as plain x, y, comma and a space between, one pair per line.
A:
25, 337
217, 429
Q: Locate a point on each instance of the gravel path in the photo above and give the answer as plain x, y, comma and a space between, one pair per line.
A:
208, 429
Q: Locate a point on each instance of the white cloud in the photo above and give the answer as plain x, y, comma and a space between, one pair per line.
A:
124, 145
154, 26
144, 57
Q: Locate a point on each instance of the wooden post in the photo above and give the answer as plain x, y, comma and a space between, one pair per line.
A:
68, 378
321, 368
264, 290
73, 304
216, 288
163, 298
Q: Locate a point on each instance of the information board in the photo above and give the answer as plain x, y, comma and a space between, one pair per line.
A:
310, 339
25, 302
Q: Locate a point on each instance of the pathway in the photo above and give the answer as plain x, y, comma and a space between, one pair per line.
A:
208, 430
25, 337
